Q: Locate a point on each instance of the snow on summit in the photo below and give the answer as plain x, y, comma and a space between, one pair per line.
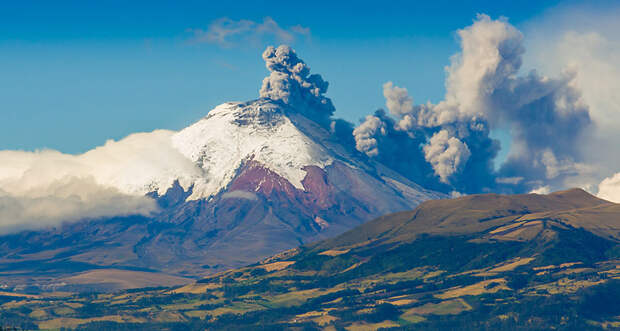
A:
234, 133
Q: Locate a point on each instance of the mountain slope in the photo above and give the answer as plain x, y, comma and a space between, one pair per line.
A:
258, 131
279, 187
490, 210
477, 262
250, 203
263, 176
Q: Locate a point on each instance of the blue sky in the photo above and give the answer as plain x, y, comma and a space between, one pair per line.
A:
76, 73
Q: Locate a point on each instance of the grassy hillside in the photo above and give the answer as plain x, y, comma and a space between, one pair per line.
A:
477, 262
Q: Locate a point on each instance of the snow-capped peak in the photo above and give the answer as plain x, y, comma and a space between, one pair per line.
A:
236, 132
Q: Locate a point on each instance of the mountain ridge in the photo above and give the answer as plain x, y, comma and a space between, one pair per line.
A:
448, 213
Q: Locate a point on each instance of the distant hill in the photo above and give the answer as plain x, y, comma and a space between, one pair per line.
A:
477, 262
480, 213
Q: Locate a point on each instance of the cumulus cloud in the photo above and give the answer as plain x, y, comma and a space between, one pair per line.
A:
67, 200
45, 188
609, 188
290, 82
546, 117
226, 32
541, 190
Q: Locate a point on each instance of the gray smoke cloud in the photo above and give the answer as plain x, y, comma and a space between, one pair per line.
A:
546, 117
548, 121
369, 133
446, 154
380, 137
585, 40
290, 82
397, 100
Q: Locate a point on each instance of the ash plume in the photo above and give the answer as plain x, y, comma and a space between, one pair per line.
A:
290, 82
546, 117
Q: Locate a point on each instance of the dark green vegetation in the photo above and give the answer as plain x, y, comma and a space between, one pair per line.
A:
479, 262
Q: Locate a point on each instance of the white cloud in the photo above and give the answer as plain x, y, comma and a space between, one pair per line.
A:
44, 188
226, 32
541, 190
67, 200
609, 188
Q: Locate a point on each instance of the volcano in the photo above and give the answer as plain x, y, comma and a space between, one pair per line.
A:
269, 174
